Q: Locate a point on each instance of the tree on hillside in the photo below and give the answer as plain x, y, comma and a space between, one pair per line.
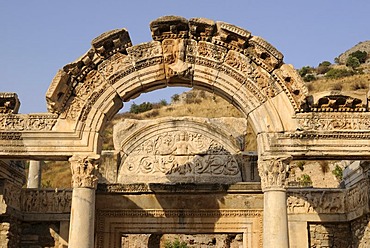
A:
360, 55
353, 62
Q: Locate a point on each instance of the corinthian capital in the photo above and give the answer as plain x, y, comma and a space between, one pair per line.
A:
273, 171
84, 171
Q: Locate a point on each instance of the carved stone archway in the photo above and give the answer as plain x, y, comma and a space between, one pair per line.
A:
200, 53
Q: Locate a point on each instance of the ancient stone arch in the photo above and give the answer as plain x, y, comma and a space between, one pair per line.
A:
200, 53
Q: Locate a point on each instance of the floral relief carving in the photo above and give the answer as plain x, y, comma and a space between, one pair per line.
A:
273, 172
181, 153
84, 171
31, 122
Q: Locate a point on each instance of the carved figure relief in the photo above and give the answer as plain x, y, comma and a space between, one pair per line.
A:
174, 59
47, 201
181, 153
316, 202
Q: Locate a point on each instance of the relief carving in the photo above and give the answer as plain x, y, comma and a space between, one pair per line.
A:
114, 66
11, 195
176, 67
84, 171
316, 202
333, 121
180, 153
357, 198
273, 172
30, 122
47, 201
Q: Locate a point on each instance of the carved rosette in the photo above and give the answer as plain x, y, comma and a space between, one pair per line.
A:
273, 172
84, 171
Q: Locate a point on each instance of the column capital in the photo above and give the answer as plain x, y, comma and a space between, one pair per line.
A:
273, 172
84, 171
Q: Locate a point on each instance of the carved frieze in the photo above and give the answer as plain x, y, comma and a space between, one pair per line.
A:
333, 121
324, 201
273, 171
179, 153
263, 53
30, 122
85, 95
84, 171
11, 195
116, 67
46, 201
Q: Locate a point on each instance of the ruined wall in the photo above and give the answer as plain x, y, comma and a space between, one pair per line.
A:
329, 235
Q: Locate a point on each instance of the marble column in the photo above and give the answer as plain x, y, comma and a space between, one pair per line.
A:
273, 173
34, 174
84, 183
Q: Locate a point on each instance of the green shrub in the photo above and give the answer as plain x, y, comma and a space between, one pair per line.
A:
300, 165
175, 98
305, 70
325, 63
338, 172
309, 78
352, 62
360, 55
338, 73
176, 244
143, 107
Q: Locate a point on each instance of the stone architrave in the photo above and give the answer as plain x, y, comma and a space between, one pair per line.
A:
273, 173
84, 183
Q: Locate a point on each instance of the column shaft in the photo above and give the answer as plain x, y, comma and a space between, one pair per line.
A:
81, 231
84, 183
275, 220
34, 175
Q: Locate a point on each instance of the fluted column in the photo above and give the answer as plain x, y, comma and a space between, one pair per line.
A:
84, 183
273, 173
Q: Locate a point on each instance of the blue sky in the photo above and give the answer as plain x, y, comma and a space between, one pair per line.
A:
39, 37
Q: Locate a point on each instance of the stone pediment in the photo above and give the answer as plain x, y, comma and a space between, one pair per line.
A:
180, 150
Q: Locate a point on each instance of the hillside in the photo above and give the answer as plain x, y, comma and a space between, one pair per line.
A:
362, 46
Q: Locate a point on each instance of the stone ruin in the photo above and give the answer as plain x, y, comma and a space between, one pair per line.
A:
187, 177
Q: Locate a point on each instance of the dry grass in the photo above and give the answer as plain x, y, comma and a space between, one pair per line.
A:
357, 82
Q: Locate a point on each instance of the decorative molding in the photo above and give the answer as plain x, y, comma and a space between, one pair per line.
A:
84, 171
273, 172
27, 122
46, 201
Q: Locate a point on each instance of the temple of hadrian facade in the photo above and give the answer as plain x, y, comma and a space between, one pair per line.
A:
184, 176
